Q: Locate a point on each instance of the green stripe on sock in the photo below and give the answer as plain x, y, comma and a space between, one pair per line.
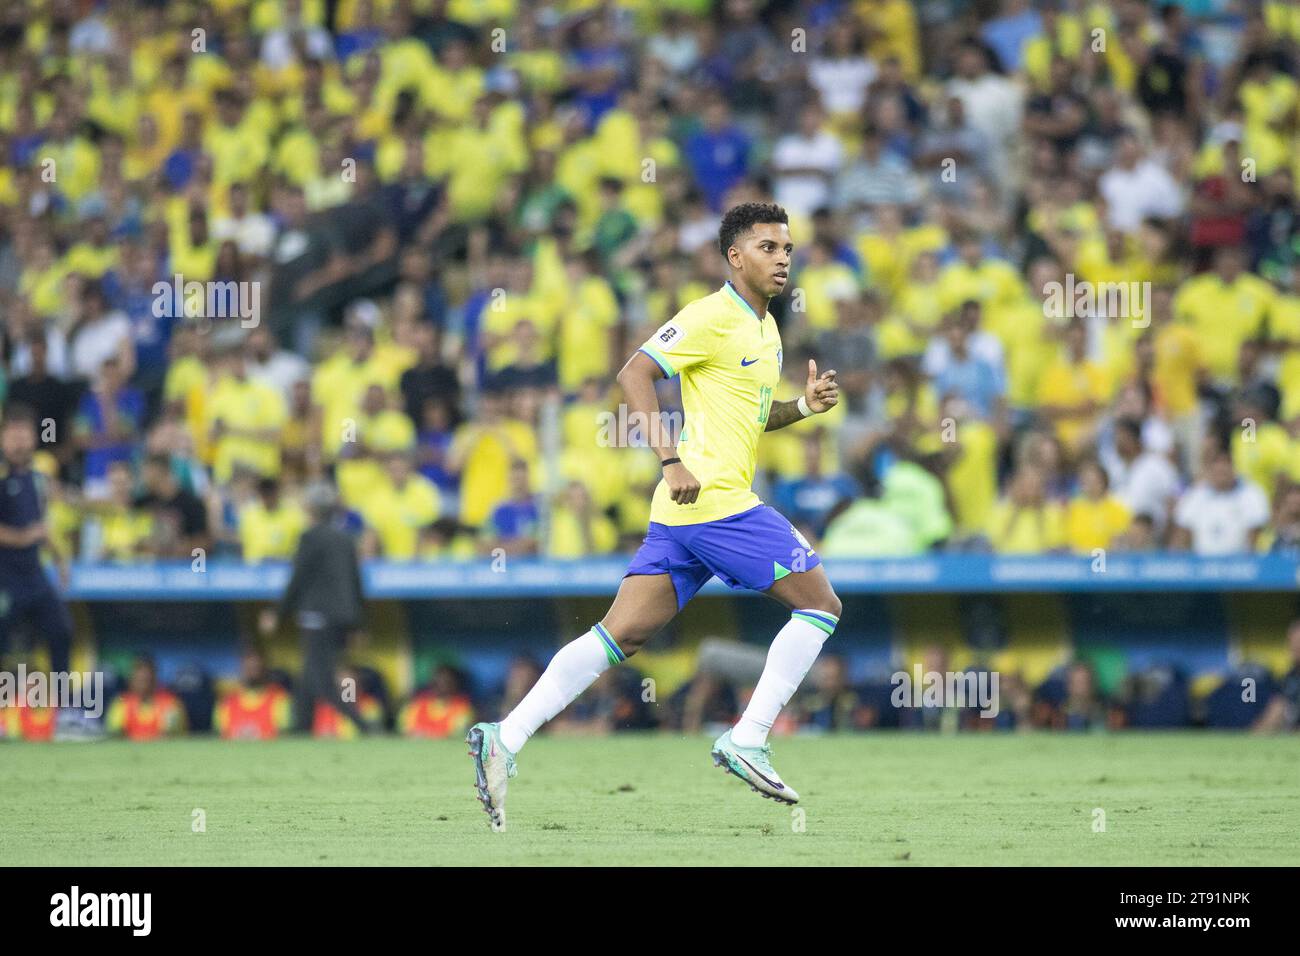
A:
611, 648
815, 622
829, 618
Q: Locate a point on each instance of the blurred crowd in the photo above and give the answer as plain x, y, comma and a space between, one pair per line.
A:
405, 245
707, 697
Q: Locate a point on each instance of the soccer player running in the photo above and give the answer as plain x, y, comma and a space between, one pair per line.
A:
705, 519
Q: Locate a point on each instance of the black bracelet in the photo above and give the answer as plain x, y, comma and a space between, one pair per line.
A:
669, 461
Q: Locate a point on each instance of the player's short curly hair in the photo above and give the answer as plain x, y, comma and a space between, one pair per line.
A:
739, 220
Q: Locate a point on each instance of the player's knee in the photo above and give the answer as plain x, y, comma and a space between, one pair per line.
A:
634, 640
629, 638
828, 604
834, 605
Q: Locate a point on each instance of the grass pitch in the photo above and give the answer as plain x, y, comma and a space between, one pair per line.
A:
891, 799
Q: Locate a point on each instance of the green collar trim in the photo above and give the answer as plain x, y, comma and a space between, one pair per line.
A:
731, 290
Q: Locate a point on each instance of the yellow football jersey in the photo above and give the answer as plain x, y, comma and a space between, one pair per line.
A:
730, 363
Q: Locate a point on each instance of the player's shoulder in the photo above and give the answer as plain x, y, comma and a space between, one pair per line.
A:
711, 311
710, 304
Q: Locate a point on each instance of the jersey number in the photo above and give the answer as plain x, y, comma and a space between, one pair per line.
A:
764, 404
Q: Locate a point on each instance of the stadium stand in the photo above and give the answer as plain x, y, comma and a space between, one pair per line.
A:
1052, 249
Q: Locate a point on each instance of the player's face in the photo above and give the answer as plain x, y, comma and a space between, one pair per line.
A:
18, 442
762, 258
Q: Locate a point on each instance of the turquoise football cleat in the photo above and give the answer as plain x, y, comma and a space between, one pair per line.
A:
754, 766
494, 765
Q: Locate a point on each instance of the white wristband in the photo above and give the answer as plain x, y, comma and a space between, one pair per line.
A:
804, 410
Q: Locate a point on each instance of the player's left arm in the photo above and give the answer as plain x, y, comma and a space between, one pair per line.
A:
821, 393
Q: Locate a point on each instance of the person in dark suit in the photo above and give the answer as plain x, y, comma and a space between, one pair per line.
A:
325, 595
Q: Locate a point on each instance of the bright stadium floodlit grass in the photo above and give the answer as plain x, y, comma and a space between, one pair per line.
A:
895, 799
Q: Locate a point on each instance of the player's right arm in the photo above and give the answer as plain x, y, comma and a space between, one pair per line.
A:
637, 380
689, 339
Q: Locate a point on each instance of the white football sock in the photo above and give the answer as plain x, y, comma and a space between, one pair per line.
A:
788, 661
572, 670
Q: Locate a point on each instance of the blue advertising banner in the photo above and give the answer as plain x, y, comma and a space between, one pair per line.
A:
521, 577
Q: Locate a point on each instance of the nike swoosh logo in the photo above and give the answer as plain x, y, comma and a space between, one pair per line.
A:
758, 773
744, 363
